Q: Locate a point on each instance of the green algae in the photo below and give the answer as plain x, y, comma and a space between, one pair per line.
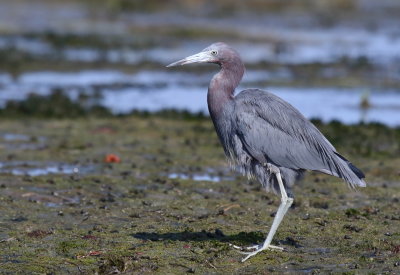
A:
55, 105
132, 217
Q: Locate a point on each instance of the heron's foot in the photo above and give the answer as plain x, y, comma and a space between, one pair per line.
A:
258, 248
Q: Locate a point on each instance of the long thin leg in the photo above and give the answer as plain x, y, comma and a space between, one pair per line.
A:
286, 202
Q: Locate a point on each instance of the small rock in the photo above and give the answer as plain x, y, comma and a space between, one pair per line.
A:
38, 233
221, 212
321, 222
352, 228
354, 266
219, 233
19, 219
320, 204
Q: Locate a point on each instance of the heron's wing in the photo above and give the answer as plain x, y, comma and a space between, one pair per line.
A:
272, 130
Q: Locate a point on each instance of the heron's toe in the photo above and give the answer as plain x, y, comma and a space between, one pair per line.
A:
259, 248
249, 254
273, 247
241, 248
252, 247
236, 246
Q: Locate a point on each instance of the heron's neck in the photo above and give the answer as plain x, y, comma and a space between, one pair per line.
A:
222, 87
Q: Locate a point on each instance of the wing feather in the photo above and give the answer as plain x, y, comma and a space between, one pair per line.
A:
271, 130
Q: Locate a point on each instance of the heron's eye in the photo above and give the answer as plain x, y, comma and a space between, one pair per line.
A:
214, 52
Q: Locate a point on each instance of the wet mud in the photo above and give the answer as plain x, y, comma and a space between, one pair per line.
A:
170, 204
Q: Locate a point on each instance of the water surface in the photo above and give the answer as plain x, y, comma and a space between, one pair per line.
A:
157, 90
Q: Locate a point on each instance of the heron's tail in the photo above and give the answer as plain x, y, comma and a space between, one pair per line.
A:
355, 177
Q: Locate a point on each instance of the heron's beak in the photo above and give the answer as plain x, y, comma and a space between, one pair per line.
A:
201, 57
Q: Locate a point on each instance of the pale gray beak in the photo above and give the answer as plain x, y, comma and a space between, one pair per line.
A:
201, 57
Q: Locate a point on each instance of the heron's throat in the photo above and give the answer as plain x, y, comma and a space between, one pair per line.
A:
222, 88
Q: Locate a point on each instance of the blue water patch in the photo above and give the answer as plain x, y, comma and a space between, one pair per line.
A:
157, 90
37, 168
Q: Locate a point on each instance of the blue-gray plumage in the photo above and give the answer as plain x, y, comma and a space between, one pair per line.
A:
264, 136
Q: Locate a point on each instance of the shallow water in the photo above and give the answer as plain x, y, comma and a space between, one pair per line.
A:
197, 177
323, 103
188, 92
276, 41
158, 90
14, 137
35, 168
288, 40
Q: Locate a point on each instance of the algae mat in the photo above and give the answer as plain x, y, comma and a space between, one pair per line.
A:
146, 194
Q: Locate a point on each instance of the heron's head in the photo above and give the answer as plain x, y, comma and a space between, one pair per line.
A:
218, 53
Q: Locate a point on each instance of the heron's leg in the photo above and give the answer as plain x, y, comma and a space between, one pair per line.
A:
286, 202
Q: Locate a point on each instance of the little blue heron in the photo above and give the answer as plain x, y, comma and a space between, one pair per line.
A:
265, 137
